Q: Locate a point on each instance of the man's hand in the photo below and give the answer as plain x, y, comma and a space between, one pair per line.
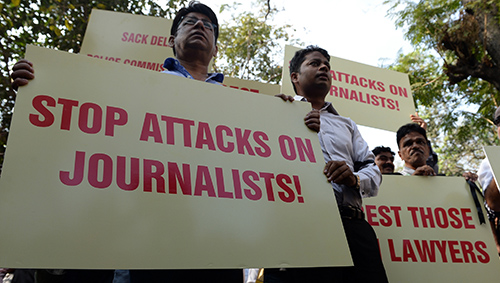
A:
285, 97
312, 120
470, 176
22, 72
425, 170
339, 173
416, 119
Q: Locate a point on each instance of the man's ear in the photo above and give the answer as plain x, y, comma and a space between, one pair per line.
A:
215, 52
171, 41
294, 77
399, 153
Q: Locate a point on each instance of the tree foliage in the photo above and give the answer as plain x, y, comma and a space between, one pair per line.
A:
452, 73
54, 24
250, 46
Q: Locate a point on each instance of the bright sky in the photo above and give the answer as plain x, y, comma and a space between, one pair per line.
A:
357, 30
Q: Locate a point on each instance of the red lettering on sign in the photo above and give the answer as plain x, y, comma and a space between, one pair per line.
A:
243, 88
48, 117
90, 116
204, 182
427, 251
363, 97
246, 142
135, 37
427, 217
388, 215
125, 173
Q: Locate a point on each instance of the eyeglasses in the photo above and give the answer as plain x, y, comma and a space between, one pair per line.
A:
193, 20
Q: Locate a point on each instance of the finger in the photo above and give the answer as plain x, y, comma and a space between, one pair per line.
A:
430, 172
19, 82
23, 64
346, 177
313, 126
23, 74
336, 174
343, 174
21, 78
311, 120
312, 115
329, 168
285, 97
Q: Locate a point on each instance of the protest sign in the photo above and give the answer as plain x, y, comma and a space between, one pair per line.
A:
429, 231
370, 96
493, 155
252, 86
111, 167
142, 42
134, 40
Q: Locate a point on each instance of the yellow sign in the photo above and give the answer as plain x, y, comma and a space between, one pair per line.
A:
368, 95
133, 40
142, 42
112, 167
252, 86
429, 231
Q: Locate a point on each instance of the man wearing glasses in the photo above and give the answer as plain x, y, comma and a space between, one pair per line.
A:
193, 38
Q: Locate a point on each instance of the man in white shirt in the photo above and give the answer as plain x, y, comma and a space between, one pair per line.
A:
349, 168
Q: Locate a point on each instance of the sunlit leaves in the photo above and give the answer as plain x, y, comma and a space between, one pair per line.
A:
251, 46
446, 34
58, 24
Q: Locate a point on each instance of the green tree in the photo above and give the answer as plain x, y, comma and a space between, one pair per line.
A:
250, 47
54, 24
452, 73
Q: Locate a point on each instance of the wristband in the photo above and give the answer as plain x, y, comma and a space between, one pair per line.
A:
358, 182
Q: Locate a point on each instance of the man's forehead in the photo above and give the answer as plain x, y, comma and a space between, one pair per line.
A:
384, 154
315, 55
414, 135
198, 15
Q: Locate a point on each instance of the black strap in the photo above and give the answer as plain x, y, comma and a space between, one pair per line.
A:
358, 165
473, 190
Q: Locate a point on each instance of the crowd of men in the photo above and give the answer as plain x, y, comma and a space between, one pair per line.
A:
353, 170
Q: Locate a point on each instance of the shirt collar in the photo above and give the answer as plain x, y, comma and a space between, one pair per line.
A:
174, 65
407, 171
327, 107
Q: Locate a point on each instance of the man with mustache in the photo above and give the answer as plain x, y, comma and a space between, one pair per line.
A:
384, 158
414, 150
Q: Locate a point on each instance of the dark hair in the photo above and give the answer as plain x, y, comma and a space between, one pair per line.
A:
197, 7
300, 56
379, 149
496, 119
408, 128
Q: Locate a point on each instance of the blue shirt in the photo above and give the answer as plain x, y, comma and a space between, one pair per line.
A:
173, 66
